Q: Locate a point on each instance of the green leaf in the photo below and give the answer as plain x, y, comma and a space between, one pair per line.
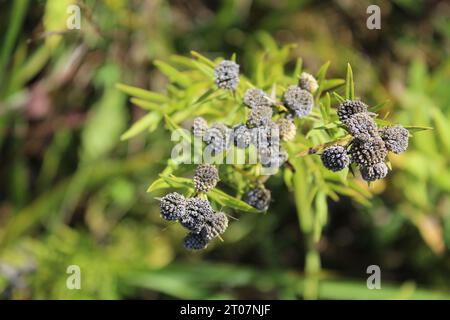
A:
148, 121
147, 105
142, 94
329, 84
378, 107
349, 84
418, 128
231, 202
173, 74
203, 59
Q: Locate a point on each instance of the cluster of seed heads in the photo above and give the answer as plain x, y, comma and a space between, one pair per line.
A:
369, 146
258, 198
196, 214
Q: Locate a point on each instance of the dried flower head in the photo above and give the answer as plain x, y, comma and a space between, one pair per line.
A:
218, 137
395, 138
172, 206
215, 226
199, 127
287, 129
241, 136
299, 101
258, 198
349, 108
256, 98
226, 75
259, 116
308, 82
335, 158
195, 241
375, 172
205, 178
197, 211
368, 152
362, 126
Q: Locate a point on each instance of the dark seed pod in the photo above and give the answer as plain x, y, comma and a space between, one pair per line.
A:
199, 127
197, 211
259, 116
215, 226
206, 177
241, 136
258, 198
308, 82
195, 241
226, 75
299, 101
287, 129
368, 152
335, 158
218, 137
395, 138
375, 172
362, 126
256, 98
172, 206
349, 108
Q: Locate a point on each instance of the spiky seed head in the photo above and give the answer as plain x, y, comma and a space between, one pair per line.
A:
205, 178
395, 138
195, 241
197, 211
375, 172
362, 126
368, 152
215, 226
172, 206
287, 129
241, 136
349, 108
256, 98
226, 75
335, 158
199, 127
308, 82
273, 157
218, 137
258, 198
259, 116
299, 101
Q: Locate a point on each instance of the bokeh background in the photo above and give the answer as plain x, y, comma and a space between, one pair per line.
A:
72, 192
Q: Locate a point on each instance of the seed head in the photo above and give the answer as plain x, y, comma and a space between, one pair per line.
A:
368, 152
258, 198
195, 241
172, 206
265, 136
308, 82
260, 116
298, 101
241, 136
206, 177
197, 211
226, 75
350, 107
256, 98
335, 158
218, 137
287, 129
273, 157
199, 127
375, 172
215, 225
395, 138
362, 126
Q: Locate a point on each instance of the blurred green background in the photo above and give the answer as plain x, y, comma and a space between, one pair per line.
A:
73, 193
